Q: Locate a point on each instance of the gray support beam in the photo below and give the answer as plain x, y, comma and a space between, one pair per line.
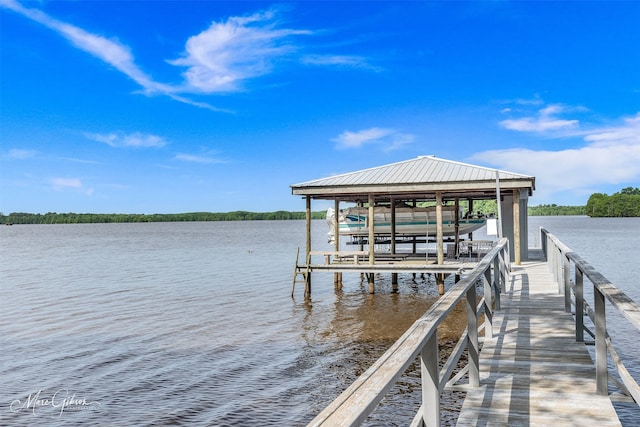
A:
372, 244
516, 227
439, 233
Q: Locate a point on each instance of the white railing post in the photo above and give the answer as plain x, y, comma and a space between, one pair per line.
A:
472, 338
558, 268
430, 382
602, 373
567, 284
504, 267
579, 305
497, 277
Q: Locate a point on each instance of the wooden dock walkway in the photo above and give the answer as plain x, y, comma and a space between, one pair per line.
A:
533, 372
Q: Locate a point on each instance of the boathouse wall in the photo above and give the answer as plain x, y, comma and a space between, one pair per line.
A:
508, 223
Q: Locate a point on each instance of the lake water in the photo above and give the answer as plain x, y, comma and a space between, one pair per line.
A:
193, 323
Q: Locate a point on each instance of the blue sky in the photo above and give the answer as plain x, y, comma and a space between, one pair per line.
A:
182, 106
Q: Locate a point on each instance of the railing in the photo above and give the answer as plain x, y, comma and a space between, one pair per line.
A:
561, 259
360, 399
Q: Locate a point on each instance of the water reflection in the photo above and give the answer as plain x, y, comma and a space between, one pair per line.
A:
353, 330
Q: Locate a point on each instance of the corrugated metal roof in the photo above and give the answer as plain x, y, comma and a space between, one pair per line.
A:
421, 170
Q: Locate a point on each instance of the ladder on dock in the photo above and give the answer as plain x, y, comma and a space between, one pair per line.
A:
300, 274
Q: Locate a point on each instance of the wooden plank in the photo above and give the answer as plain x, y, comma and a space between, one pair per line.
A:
533, 372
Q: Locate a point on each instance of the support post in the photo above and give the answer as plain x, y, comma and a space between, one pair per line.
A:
567, 285
440, 279
430, 382
470, 213
372, 245
439, 233
516, 227
337, 277
394, 276
602, 373
307, 283
499, 203
472, 338
497, 277
456, 226
579, 306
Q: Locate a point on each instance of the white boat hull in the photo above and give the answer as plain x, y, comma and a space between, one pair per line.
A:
408, 222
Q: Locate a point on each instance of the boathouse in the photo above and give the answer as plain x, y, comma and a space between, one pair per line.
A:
413, 182
428, 179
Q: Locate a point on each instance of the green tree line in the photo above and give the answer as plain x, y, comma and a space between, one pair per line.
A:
553, 209
625, 203
85, 218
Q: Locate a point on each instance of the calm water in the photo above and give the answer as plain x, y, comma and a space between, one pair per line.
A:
193, 324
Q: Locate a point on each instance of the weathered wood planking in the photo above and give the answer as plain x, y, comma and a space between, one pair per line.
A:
533, 372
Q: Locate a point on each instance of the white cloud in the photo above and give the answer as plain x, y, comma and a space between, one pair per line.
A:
227, 53
219, 59
628, 133
340, 60
543, 121
349, 139
20, 154
63, 184
610, 156
390, 139
109, 51
198, 158
136, 139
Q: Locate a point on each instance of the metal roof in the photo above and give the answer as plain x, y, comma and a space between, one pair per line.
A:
420, 177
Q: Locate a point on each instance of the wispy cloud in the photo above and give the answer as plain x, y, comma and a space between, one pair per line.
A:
388, 139
109, 51
74, 184
610, 155
545, 120
194, 158
134, 140
81, 161
20, 154
340, 61
220, 58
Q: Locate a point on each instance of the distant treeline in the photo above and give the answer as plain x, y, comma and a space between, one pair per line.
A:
490, 207
554, 210
625, 203
85, 218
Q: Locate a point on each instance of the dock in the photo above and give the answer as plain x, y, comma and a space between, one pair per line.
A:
533, 372
524, 358
527, 344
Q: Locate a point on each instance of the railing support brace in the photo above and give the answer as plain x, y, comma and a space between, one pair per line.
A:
497, 282
567, 285
602, 374
579, 306
488, 311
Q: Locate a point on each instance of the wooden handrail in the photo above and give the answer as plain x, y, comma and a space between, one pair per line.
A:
354, 405
560, 257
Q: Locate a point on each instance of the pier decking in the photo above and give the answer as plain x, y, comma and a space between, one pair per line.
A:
527, 364
533, 372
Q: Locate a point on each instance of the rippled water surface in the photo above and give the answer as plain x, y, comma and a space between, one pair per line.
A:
193, 324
